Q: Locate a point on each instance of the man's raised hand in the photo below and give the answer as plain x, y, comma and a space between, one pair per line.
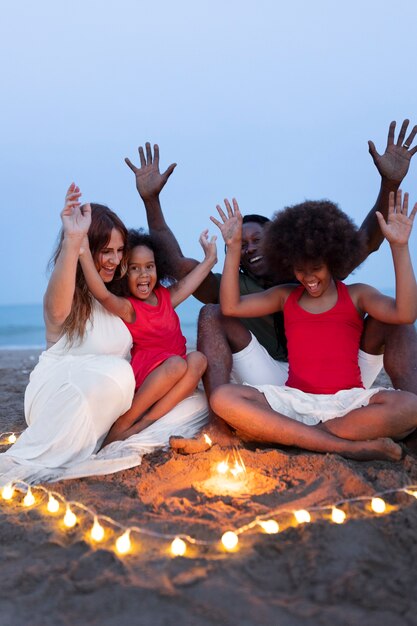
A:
393, 164
149, 180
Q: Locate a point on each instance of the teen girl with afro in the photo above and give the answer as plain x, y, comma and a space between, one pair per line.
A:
323, 406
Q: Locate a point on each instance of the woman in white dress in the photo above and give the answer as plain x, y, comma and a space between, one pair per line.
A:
83, 380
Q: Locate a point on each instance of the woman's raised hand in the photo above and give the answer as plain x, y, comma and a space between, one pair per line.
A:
76, 218
231, 224
397, 228
209, 246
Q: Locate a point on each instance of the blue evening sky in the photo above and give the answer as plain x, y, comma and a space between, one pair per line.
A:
272, 102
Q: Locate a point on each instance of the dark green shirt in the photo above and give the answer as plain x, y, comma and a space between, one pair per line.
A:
269, 329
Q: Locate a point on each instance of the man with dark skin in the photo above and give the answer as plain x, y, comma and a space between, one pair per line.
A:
220, 337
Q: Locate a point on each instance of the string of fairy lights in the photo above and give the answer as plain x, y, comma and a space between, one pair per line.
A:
105, 529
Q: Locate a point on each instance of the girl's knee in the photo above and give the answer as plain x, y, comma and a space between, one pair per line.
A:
197, 361
220, 398
175, 367
400, 402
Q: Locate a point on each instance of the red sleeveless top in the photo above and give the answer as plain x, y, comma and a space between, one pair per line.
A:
156, 334
323, 347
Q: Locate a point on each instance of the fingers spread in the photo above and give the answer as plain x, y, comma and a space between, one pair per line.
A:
403, 130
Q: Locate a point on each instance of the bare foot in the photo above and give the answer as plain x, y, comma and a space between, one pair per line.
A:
383, 449
219, 434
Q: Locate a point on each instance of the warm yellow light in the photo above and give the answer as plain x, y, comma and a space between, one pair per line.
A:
29, 498
237, 469
302, 516
413, 493
12, 438
178, 547
123, 543
70, 519
207, 439
7, 492
230, 540
97, 531
270, 526
53, 504
223, 467
338, 516
378, 505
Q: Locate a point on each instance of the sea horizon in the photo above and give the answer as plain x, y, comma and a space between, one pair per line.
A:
22, 326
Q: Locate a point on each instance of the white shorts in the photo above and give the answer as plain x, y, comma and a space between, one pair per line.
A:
255, 366
313, 408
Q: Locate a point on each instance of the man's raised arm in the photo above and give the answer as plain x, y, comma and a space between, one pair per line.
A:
393, 166
149, 183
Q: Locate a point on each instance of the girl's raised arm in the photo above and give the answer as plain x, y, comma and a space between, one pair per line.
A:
397, 230
231, 302
114, 304
187, 285
60, 291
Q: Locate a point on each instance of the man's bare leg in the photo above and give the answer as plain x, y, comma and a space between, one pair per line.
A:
218, 336
246, 409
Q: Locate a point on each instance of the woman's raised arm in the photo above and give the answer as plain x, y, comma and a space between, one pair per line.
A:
76, 220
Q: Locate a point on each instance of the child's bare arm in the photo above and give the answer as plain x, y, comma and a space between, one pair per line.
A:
397, 230
114, 304
187, 285
231, 302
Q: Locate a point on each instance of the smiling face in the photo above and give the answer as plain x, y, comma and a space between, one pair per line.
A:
315, 277
141, 272
251, 257
109, 257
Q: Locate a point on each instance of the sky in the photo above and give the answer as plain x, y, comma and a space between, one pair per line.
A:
270, 102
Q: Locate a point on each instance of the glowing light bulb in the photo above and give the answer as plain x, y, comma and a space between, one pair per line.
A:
338, 516
123, 544
178, 547
53, 504
223, 467
302, 516
97, 531
270, 526
29, 498
7, 492
207, 439
230, 540
378, 505
12, 438
70, 519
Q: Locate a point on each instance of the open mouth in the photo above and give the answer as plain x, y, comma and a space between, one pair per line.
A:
255, 259
142, 288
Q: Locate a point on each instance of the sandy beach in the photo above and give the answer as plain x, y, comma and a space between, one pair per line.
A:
360, 572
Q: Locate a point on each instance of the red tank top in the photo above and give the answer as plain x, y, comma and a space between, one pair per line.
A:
156, 334
323, 347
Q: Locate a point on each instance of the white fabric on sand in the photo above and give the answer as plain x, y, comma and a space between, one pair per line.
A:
74, 395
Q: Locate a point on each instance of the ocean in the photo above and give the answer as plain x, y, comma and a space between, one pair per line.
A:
22, 326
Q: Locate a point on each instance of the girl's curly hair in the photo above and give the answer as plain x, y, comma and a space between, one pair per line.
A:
312, 231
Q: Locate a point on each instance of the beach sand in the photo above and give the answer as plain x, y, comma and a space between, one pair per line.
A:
361, 572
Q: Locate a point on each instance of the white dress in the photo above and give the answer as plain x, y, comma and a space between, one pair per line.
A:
74, 396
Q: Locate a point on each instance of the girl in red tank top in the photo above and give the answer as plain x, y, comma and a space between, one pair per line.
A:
164, 373
323, 323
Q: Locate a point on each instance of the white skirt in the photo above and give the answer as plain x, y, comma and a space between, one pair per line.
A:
310, 408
